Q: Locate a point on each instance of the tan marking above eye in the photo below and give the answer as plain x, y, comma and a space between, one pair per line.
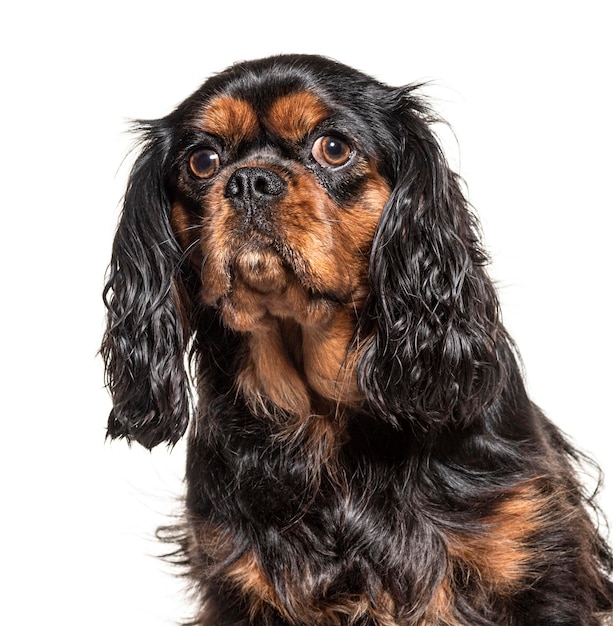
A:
231, 119
295, 115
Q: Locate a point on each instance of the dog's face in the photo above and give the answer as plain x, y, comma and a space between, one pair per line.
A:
306, 211
278, 191
278, 196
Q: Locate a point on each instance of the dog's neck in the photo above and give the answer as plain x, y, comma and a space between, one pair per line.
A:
300, 368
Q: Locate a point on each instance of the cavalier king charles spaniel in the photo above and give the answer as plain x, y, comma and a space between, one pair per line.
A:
297, 275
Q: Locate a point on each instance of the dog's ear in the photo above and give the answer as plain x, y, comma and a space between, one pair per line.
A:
147, 332
433, 316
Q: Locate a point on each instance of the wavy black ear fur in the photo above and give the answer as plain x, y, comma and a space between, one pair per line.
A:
147, 332
436, 336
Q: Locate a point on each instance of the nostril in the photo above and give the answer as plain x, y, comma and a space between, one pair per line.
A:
262, 186
267, 183
234, 187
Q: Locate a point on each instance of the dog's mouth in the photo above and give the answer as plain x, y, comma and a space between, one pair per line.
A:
268, 268
264, 281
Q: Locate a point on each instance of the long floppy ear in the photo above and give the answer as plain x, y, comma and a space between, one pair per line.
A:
146, 336
433, 313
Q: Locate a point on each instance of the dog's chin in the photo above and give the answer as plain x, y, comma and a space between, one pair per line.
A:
265, 288
259, 268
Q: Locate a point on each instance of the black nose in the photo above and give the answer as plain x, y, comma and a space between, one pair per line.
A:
252, 187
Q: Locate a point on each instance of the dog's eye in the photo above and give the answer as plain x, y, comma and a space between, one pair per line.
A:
331, 151
204, 163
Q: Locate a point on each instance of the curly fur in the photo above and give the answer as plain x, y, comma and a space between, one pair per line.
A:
429, 492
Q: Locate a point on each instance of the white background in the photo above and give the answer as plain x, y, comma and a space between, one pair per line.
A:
525, 85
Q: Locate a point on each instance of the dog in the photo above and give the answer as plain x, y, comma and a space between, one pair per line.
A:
297, 275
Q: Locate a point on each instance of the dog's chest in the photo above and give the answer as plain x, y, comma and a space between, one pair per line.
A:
307, 547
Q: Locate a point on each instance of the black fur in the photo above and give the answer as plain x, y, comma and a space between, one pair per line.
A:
145, 343
426, 469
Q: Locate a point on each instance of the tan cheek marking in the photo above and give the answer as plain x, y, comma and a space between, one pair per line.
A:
231, 118
333, 242
187, 231
180, 222
329, 366
354, 233
295, 115
217, 242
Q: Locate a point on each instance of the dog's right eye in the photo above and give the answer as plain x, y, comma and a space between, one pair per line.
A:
204, 163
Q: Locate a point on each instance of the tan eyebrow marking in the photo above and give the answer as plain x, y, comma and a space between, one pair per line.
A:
230, 118
295, 115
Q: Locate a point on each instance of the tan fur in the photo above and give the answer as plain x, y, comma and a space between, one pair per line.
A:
269, 374
329, 369
441, 608
295, 115
500, 553
255, 288
230, 118
248, 576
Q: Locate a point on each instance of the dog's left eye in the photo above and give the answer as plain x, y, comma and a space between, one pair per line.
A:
331, 151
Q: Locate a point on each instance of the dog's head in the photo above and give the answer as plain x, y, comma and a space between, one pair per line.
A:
297, 220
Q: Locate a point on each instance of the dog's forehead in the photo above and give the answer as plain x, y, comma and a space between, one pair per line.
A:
290, 116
